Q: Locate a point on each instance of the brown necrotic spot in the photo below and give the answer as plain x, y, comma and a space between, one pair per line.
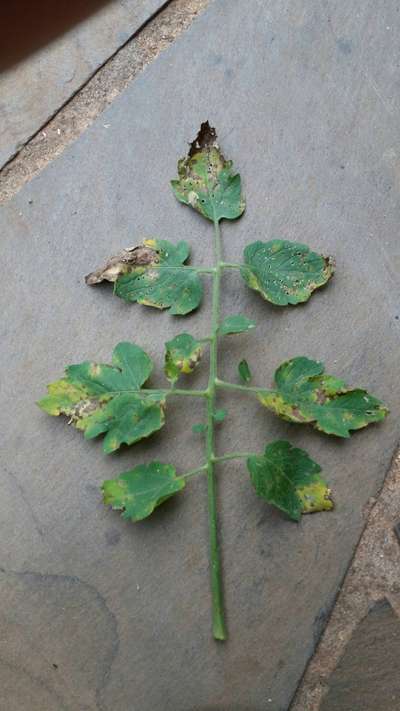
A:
205, 139
83, 409
123, 263
297, 414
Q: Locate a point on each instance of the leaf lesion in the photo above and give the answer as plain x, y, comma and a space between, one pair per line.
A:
124, 262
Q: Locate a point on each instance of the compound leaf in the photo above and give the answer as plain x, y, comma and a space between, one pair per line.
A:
139, 491
289, 479
206, 181
107, 399
285, 272
236, 324
163, 282
305, 394
182, 355
244, 371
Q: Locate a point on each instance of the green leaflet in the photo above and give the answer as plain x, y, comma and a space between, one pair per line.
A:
138, 492
158, 284
219, 415
236, 324
105, 399
206, 181
244, 371
199, 428
287, 478
182, 355
305, 394
285, 272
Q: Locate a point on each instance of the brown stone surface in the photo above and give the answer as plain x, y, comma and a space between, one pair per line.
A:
373, 575
367, 677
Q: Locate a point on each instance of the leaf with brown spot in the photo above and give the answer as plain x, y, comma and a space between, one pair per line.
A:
182, 355
139, 491
108, 399
289, 479
306, 394
206, 181
285, 272
165, 283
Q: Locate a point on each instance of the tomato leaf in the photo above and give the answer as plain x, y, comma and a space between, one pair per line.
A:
182, 355
285, 272
139, 491
244, 371
164, 282
107, 399
305, 394
235, 324
199, 428
219, 415
206, 181
289, 479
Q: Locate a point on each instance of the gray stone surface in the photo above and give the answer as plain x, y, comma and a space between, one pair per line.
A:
305, 103
33, 90
367, 676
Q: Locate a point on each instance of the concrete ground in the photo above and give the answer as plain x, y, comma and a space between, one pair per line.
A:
99, 88
35, 88
98, 614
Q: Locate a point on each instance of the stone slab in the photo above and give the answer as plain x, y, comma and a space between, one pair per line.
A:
367, 676
33, 90
306, 105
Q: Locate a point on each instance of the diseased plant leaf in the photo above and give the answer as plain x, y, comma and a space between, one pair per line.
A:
236, 324
164, 282
206, 181
199, 428
244, 371
182, 355
124, 263
110, 399
139, 491
285, 272
305, 394
101, 398
289, 479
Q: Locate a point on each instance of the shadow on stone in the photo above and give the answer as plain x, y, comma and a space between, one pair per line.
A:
26, 26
